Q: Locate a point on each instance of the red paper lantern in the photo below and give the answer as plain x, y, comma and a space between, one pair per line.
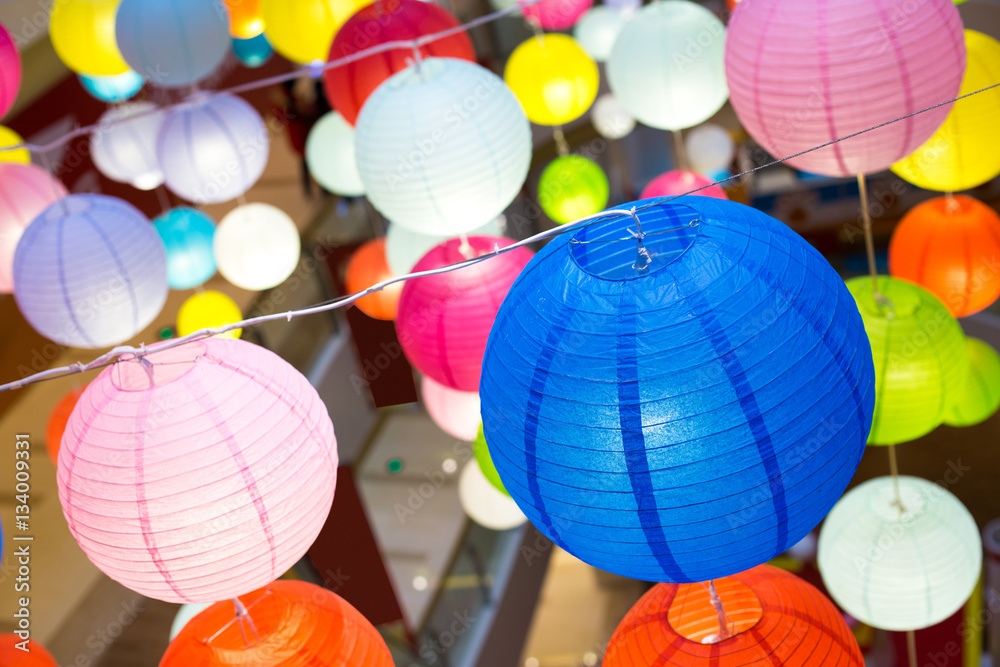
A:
35, 656
368, 266
57, 421
772, 618
287, 624
948, 246
348, 86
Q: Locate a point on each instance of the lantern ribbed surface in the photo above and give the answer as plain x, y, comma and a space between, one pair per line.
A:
205, 481
10, 71
949, 245
213, 149
443, 149
553, 78
295, 624
667, 65
302, 30
687, 421
681, 182
445, 319
920, 358
776, 619
348, 86
898, 570
572, 187
25, 191
90, 272
980, 397
455, 412
802, 74
124, 146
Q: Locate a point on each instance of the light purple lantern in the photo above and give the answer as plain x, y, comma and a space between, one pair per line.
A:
802, 74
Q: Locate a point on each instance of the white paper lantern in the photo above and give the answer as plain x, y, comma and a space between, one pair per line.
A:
668, 65
484, 503
455, 412
330, 156
90, 271
710, 148
185, 614
404, 247
610, 117
443, 148
124, 146
900, 570
257, 246
213, 149
597, 30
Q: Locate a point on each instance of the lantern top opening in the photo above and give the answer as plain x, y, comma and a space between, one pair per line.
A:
891, 302
692, 615
156, 368
912, 502
608, 250
420, 71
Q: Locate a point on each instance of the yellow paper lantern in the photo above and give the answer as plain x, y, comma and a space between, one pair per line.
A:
963, 153
208, 309
553, 78
302, 30
9, 137
83, 35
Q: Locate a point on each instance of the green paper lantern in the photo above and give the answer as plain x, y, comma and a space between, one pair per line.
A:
482, 452
980, 396
572, 187
920, 357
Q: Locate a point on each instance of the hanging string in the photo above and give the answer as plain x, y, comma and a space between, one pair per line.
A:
894, 470
866, 218
911, 647
562, 146
679, 150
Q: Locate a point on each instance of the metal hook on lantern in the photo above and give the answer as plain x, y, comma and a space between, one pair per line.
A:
643, 256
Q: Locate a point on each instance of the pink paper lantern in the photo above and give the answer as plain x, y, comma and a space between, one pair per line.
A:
557, 14
202, 475
445, 319
679, 182
805, 73
25, 191
10, 71
455, 412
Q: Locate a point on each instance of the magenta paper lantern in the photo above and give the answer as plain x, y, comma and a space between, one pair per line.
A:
25, 191
805, 73
455, 412
680, 182
445, 319
557, 14
10, 71
201, 474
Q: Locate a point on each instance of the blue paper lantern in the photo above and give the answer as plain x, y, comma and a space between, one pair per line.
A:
115, 88
253, 52
687, 420
187, 234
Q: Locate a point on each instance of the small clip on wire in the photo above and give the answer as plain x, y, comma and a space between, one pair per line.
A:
643, 256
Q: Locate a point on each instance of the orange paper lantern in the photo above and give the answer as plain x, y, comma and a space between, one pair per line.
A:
948, 246
367, 267
771, 616
287, 624
57, 421
35, 656
246, 20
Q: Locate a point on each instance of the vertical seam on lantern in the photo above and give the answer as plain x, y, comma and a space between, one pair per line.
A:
967, 286
822, 50
922, 259
816, 623
904, 74
121, 267
60, 224
420, 167
233, 143
768, 649
923, 568
71, 452
943, 401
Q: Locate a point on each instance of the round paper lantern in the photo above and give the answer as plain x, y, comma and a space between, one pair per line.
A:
56, 425
301, 30
980, 397
481, 450
113, 89
557, 14
253, 52
124, 146
200, 478
774, 618
947, 245
187, 612
208, 309
348, 86
682, 182
442, 150
294, 623
9, 137
25, 191
213, 149
610, 117
188, 236
667, 65
257, 246
173, 42
35, 656
445, 319
245, 18
83, 35
90, 272
553, 78
802, 74
10, 71
597, 30
899, 570
455, 412
404, 247
330, 155
572, 187
483, 503
710, 148
920, 357
650, 420
368, 267
959, 155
